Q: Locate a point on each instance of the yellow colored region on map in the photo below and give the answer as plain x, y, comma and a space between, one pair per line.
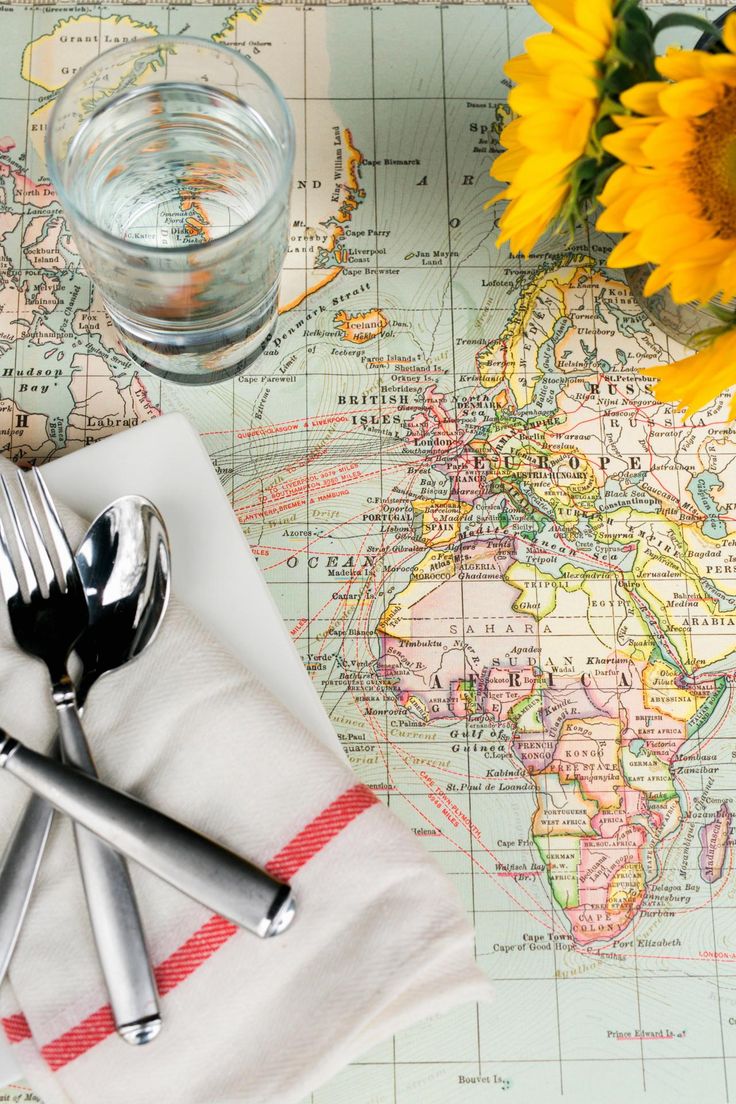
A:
351, 195
661, 693
647, 773
50, 60
431, 572
248, 15
512, 357
440, 519
625, 888
537, 591
562, 808
359, 328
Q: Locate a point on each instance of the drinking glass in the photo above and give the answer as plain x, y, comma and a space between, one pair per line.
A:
172, 158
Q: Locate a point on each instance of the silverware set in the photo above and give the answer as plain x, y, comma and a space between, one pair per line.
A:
104, 606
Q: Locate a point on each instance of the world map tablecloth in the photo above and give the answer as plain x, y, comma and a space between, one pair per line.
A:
510, 572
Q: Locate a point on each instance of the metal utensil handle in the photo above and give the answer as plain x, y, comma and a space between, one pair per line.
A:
113, 910
18, 869
197, 866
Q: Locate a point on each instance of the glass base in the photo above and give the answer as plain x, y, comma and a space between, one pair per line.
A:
194, 358
195, 379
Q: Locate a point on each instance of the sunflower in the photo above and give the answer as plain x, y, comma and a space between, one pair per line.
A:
566, 90
696, 380
674, 196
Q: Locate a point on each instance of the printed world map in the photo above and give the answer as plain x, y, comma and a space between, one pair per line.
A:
510, 572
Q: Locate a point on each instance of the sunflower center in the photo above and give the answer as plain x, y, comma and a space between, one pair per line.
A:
711, 164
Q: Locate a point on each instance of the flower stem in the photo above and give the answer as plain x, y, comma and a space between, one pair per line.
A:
687, 19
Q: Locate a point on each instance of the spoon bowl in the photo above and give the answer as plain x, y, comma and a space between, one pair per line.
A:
124, 565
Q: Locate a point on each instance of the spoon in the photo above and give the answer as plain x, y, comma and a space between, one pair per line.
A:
123, 562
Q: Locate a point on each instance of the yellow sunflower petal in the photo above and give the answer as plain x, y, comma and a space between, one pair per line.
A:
546, 200
624, 121
495, 199
690, 97
668, 142
521, 69
643, 98
620, 182
525, 208
547, 50
612, 218
696, 380
713, 251
718, 361
627, 145
727, 277
507, 164
649, 204
693, 274
530, 97
729, 33
568, 85
696, 283
691, 282
560, 14
667, 390
511, 134
670, 233
657, 280
525, 219
558, 129
596, 17
680, 64
539, 167
524, 243
627, 252
720, 67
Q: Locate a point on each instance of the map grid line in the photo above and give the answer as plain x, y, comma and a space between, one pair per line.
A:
711, 903
453, 358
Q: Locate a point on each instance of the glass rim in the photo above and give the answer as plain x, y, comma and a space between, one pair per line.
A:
52, 165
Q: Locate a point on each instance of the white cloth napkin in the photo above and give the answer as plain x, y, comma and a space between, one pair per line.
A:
380, 939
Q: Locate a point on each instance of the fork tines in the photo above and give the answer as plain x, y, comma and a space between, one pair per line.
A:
31, 565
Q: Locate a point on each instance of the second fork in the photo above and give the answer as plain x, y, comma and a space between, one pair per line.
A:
48, 612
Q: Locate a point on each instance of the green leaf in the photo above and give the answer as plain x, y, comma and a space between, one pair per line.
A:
605, 126
722, 314
638, 19
687, 19
706, 337
633, 44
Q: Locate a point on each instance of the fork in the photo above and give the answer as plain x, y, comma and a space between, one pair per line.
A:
48, 613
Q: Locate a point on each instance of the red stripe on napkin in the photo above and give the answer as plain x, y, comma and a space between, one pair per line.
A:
16, 1028
206, 940
319, 832
80, 1039
190, 956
